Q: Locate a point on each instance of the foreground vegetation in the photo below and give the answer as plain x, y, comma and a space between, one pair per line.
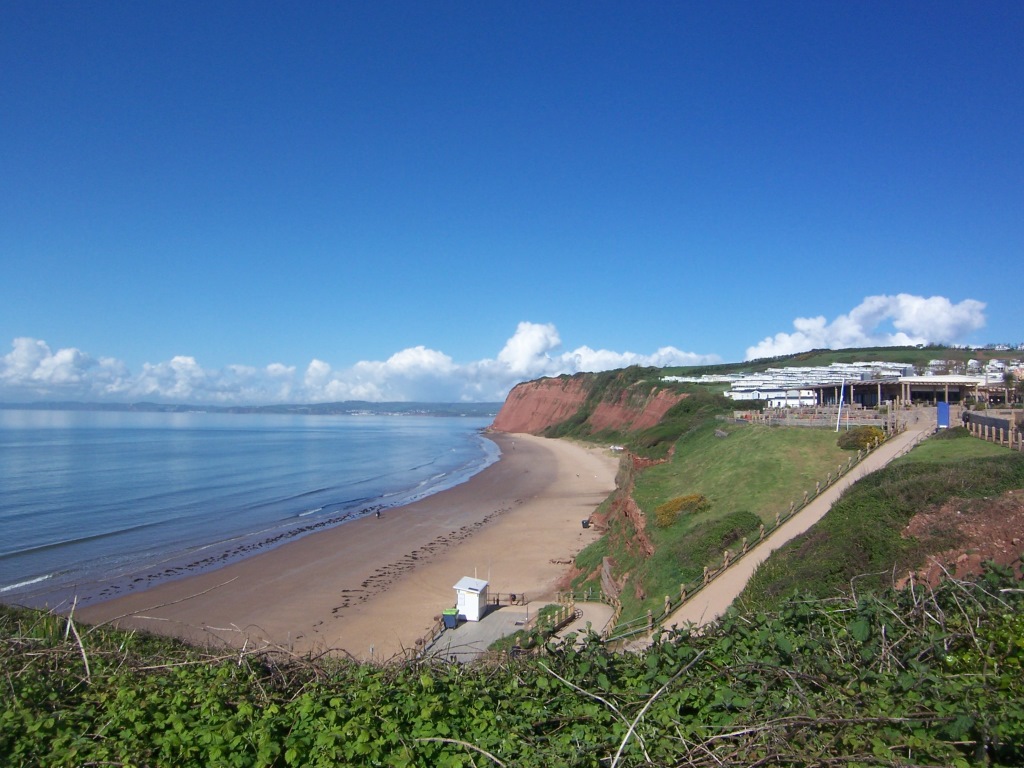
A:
902, 678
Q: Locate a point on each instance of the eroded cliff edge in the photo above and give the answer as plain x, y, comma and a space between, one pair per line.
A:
596, 402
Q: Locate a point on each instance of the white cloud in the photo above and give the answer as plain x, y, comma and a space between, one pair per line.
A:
31, 366
317, 374
914, 320
277, 370
527, 350
32, 371
181, 379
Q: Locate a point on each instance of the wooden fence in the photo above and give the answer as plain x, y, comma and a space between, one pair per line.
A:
996, 430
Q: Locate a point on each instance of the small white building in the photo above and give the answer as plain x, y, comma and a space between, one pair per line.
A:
777, 397
471, 598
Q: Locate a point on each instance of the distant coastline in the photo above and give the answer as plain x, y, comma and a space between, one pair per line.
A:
344, 408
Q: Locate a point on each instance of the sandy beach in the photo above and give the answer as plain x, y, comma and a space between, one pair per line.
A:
373, 586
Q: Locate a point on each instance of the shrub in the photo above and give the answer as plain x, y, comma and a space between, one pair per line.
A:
860, 437
666, 514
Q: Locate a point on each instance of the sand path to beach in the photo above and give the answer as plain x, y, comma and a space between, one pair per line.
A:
373, 586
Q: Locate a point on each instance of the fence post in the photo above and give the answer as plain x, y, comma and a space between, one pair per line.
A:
760, 533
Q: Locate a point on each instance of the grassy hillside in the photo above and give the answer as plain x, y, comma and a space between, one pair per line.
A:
747, 476
861, 536
755, 467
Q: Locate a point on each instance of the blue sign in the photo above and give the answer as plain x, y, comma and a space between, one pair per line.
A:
943, 416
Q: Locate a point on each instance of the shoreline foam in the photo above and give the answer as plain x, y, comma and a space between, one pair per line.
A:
372, 590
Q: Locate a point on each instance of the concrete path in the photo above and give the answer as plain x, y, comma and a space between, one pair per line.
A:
713, 600
597, 615
470, 639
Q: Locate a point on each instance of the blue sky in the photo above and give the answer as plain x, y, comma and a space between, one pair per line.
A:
256, 202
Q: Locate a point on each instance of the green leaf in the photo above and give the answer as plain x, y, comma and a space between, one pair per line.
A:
861, 630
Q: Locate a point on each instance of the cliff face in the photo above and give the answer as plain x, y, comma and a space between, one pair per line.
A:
627, 417
533, 406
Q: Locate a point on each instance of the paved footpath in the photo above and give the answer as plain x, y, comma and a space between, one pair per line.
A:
592, 616
713, 600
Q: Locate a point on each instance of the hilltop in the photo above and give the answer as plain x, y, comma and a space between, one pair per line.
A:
644, 408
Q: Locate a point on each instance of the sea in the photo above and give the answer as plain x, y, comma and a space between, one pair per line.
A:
94, 504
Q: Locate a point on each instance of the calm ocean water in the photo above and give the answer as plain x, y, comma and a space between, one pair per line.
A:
95, 503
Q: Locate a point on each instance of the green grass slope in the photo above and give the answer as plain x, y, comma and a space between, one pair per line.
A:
748, 476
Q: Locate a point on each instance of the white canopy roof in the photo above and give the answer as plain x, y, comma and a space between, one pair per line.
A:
469, 584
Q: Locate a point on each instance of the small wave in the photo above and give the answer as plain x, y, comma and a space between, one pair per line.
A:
310, 512
310, 493
28, 583
79, 539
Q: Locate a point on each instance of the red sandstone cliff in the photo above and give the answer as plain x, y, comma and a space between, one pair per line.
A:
533, 406
627, 417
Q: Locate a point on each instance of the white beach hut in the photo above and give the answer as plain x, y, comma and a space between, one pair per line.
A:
471, 596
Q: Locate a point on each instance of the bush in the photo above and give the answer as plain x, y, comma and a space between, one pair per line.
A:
860, 437
666, 514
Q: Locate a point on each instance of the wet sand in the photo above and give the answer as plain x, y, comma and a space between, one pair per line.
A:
373, 586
